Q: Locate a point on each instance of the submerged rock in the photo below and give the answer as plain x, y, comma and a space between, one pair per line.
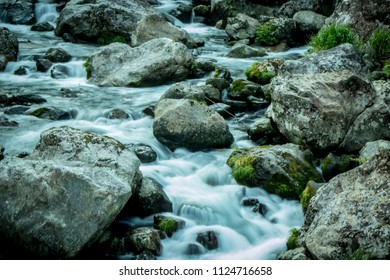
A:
42, 27
57, 55
61, 198
186, 123
156, 62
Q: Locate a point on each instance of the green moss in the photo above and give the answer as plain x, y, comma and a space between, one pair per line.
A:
306, 195
292, 240
379, 44
88, 67
168, 225
217, 73
266, 34
254, 74
333, 35
106, 39
386, 70
360, 254
38, 112
238, 85
242, 166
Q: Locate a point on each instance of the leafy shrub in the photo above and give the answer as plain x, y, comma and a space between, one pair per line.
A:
266, 34
333, 35
379, 44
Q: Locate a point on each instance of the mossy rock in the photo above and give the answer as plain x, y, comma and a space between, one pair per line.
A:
280, 169
168, 225
108, 38
262, 72
88, 67
333, 165
292, 239
242, 89
308, 193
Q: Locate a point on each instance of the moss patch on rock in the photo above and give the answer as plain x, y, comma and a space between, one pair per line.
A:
255, 74
306, 195
292, 239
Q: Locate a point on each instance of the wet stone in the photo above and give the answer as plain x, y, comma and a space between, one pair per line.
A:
145, 153
6, 122
208, 239
117, 114
16, 110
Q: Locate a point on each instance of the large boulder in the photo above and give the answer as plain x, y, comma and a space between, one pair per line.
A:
280, 169
349, 216
309, 22
187, 123
101, 20
318, 110
18, 11
156, 62
61, 199
9, 47
241, 27
363, 16
155, 26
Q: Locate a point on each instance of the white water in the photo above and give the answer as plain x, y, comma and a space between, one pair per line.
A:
199, 183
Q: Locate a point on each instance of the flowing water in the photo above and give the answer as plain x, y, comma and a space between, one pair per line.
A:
199, 184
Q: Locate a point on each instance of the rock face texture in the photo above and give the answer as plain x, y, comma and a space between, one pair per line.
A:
17, 11
156, 62
9, 47
186, 123
61, 199
351, 213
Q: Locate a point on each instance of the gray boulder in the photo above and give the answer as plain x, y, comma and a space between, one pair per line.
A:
244, 51
9, 47
280, 169
101, 20
184, 90
349, 216
57, 55
142, 240
304, 105
50, 113
374, 148
186, 123
17, 11
309, 22
61, 199
42, 27
241, 27
156, 62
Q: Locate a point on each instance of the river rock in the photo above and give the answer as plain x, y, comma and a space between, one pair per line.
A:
262, 72
243, 51
350, 214
303, 105
57, 55
281, 169
60, 71
144, 239
242, 89
26, 99
9, 47
156, 62
101, 19
42, 27
208, 239
318, 6
374, 148
241, 27
183, 90
182, 12
22, 70
145, 153
155, 26
186, 123
18, 11
117, 114
1, 152
62, 198
16, 110
4, 121
50, 113
43, 65
372, 124
342, 57
148, 199
168, 225
309, 22
264, 132
363, 16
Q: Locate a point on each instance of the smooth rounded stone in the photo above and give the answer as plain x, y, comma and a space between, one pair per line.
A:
362, 16
374, 148
43, 64
208, 239
212, 94
91, 20
242, 89
340, 58
117, 114
50, 113
64, 196
243, 51
57, 55
222, 109
186, 123
156, 62
60, 71
67, 37
18, 11
241, 27
144, 239
149, 111
42, 27
202, 67
218, 83
148, 199
309, 22
349, 215
168, 225
303, 105
145, 153
295, 254
183, 90
16, 110
155, 26
26, 99
21, 71
9, 47
280, 169
258, 102
6, 122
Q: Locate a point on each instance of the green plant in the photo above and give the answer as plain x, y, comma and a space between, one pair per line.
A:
306, 195
333, 35
379, 44
386, 70
88, 68
168, 226
292, 239
266, 34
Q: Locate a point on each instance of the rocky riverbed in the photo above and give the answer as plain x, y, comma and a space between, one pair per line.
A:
179, 130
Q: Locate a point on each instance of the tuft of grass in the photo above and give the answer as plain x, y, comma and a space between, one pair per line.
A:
88, 68
168, 226
379, 44
266, 34
333, 35
292, 240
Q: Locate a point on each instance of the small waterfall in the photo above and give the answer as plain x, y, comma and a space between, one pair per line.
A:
192, 16
46, 11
